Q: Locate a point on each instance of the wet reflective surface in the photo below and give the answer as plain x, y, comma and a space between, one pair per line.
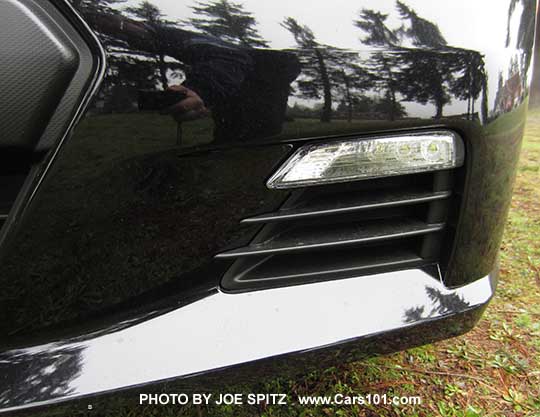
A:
199, 106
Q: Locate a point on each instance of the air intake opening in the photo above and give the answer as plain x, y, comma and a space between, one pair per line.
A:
347, 230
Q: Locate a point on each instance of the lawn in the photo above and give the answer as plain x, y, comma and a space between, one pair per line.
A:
493, 370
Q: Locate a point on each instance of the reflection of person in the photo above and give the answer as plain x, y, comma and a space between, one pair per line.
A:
190, 108
245, 90
258, 108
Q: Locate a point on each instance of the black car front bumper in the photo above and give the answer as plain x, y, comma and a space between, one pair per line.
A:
379, 313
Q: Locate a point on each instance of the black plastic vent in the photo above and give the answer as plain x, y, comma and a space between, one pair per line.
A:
346, 230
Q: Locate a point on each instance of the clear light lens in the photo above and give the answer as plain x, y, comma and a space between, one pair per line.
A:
356, 159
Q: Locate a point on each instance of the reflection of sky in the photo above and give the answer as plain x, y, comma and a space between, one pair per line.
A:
472, 24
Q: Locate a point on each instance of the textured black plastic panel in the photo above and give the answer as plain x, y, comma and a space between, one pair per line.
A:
51, 66
38, 62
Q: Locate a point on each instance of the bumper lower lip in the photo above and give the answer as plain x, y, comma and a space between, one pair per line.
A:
381, 312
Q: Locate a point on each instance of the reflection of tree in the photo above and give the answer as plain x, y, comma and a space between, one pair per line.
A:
454, 70
422, 32
95, 6
314, 66
227, 21
40, 376
510, 91
425, 78
385, 72
377, 33
389, 106
525, 35
125, 70
430, 74
246, 89
440, 304
324, 68
382, 67
132, 65
471, 80
431, 77
152, 16
350, 80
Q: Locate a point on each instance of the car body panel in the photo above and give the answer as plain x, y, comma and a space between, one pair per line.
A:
115, 250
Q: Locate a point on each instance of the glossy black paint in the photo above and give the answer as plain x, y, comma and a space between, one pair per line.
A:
251, 374
219, 331
130, 216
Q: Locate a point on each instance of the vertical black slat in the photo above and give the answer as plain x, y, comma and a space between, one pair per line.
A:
443, 180
437, 212
431, 246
